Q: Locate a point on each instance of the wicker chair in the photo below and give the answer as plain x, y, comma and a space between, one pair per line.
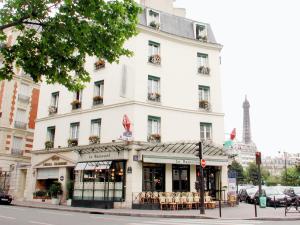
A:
162, 202
142, 197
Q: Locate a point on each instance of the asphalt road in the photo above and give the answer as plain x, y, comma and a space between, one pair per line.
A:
12, 215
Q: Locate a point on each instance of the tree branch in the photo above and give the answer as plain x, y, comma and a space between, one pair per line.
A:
34, 23
15, 23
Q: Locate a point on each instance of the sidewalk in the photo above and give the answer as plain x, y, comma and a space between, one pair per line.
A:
240, 212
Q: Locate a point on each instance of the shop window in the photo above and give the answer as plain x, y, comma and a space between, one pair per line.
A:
153, 177
181, 178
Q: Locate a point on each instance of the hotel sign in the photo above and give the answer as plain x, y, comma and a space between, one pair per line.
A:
104, 156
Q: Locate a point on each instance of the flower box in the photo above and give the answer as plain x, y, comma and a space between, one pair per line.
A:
204, 104
154, 138
72, 142
154, 97
204, 70
94, 139
52, 109
49, 144
202, 38
154, 25
155, 59
97, 100
99, 64
76, 104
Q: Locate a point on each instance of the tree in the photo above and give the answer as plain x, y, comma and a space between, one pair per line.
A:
293, 177
55, 36
238, 168
252, 173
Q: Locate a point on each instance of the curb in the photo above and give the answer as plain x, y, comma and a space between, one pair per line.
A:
80, 210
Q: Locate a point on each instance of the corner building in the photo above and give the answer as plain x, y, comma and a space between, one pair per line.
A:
171, 92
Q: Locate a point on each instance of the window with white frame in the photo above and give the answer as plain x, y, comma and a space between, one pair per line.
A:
76, 103
154, 129
17, 146
54, 103
153, 19
20, 119
154, 52
51, 133
200, 32
74, 131
202, 61
153, 88
98, 92
96, 127
205, 131
204, 97
24, 92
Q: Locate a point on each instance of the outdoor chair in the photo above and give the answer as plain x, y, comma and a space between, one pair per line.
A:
190, 202
154, 198
148, 196
162, 202
171, 203
197, 201
231, 200
209, 203
183, 201
177, 202
142, 197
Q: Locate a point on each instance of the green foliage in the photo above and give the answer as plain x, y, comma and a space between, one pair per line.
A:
252, 174
238, 168
273, 180
55, 36
55, 189
40, 193
292, 178
70, 189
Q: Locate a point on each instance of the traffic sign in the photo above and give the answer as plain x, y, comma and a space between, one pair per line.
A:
203, 163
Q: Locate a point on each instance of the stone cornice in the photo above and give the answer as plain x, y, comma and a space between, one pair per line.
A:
128, 103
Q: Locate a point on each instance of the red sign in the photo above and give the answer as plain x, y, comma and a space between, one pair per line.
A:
203, 163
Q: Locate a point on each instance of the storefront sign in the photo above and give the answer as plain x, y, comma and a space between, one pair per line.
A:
55, 164
183, 161
104, 156
61, 178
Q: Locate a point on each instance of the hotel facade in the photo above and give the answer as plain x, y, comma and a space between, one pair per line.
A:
170, 94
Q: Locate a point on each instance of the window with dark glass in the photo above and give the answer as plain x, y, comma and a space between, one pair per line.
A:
181, 178
209, 177
153, 177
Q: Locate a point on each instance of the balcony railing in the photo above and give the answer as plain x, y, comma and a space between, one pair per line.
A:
23, 98
20, 125
15, 151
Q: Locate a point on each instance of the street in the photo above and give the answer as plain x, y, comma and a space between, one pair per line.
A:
12, 215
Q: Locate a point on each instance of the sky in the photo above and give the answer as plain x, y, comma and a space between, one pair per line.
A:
260, 59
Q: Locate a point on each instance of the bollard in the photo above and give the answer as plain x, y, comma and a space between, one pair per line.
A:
220, 208
255, 209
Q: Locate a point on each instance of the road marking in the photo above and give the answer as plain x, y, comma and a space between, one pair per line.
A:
7, 217
41, 223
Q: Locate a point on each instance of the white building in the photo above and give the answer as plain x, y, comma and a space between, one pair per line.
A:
170, 90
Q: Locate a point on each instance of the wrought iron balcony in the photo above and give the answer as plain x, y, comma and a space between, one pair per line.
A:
15, 151
23, 98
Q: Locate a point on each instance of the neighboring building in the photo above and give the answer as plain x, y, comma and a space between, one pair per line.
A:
171, 92
18, 110
244, 152
276, 165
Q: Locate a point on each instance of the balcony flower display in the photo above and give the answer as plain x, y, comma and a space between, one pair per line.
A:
97, 100
99, 64
94, 139
154, 96
204, 104
76, 104
154, 138
72, 142
155, 59
202, 38
204, 70
49, 144
52, 109
154, 25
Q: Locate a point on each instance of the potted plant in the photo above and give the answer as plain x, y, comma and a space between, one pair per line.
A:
76, 104
97, 99
49, 144
155, 59
203, 70
100, 63
154, 138
72, 142
55, 190
70, 189
154, 25
94, 139
52, 109
204, 104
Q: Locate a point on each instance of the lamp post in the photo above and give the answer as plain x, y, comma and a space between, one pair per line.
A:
285, 167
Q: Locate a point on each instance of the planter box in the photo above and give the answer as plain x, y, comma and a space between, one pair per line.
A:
54, 201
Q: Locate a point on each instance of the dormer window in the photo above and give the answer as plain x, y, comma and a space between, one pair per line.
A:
201, 32
153, 19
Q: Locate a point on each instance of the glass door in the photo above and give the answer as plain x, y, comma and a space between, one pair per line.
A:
181, 178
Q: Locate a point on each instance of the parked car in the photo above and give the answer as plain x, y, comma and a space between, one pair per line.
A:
5, 198
293, 192
274, 197
247, 194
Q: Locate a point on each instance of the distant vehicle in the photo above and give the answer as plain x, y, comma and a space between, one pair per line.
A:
274, 197
5, 198
293, 192
247, 194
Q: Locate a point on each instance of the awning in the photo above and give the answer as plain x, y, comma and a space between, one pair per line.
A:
99, 165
